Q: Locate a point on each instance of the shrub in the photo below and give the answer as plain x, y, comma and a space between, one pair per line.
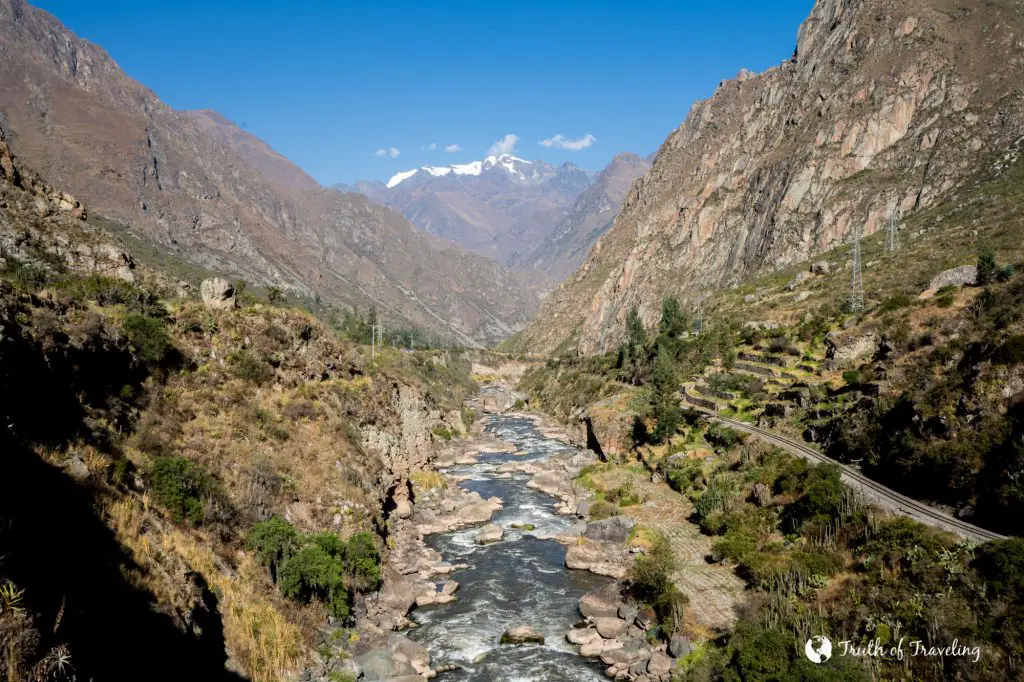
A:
945, 301
1005, 273
247, 366
183, 487
895, 303
313, 573
443, 432
148, 336
603, 510
851, 377
274, 541
362, 562
986, 265
651, 582
320, 567
723, 435
1011, 352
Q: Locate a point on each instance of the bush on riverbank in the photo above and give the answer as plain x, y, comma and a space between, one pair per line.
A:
319, 567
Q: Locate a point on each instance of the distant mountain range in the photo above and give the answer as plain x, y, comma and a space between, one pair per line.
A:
214, 194
518, 212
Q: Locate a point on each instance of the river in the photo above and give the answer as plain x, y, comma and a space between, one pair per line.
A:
521, 580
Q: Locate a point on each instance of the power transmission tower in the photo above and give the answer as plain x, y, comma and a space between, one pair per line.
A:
892, 243
857, 283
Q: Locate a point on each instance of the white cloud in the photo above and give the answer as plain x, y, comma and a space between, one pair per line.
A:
390, 152
452, 148
505, 145
429, 147
562, 142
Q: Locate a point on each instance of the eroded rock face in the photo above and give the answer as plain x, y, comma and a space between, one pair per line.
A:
846, 350
875, 114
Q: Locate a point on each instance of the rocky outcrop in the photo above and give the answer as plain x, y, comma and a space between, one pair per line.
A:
847, 350
37, 219
874, 115
218, 294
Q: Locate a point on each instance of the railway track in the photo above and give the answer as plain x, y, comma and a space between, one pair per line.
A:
876, 492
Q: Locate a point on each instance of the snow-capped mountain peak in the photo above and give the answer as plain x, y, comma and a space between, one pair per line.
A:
512, 164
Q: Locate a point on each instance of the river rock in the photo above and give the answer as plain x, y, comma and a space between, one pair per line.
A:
600, 604
492, 532
645, 617
581, 636
597, 557
614, 529
610, 628
659, 665
522, 634
380, 665
628, 612
598, 646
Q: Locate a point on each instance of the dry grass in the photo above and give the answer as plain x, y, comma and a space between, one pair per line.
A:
264, 644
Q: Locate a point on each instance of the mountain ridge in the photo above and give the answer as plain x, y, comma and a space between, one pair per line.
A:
200, 185
881, 112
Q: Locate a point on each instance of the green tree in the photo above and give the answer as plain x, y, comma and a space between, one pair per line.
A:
673, 322
664, 407
274, 541
986, 265
148, 336
636, 334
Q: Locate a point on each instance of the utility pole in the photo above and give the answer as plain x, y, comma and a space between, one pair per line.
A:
892, 243
857, 282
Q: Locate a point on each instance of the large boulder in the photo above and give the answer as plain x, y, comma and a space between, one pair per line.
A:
963, 276
615, 529
602, 603
492, 532
522, 634
611, 628
382, 665
218, 294
602, 558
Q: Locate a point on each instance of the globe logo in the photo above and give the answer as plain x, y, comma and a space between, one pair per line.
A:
818, 649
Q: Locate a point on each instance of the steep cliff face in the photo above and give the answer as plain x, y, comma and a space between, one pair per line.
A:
218, 196
882, 110
566, 247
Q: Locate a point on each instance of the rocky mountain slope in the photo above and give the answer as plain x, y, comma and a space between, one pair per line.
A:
496, 207
567, 245
882, 110
218, 196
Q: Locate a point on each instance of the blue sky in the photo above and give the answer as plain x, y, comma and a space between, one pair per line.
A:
330, 84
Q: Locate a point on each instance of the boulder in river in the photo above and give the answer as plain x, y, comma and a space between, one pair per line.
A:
492, 532
581, 636
600, 604
522, 634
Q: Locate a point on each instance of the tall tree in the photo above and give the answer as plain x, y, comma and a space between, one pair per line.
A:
665, 408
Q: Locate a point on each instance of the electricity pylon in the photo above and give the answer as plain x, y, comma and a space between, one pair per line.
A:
857, 282
892, 243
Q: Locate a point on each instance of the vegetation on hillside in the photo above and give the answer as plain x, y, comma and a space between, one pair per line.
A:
179, 429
